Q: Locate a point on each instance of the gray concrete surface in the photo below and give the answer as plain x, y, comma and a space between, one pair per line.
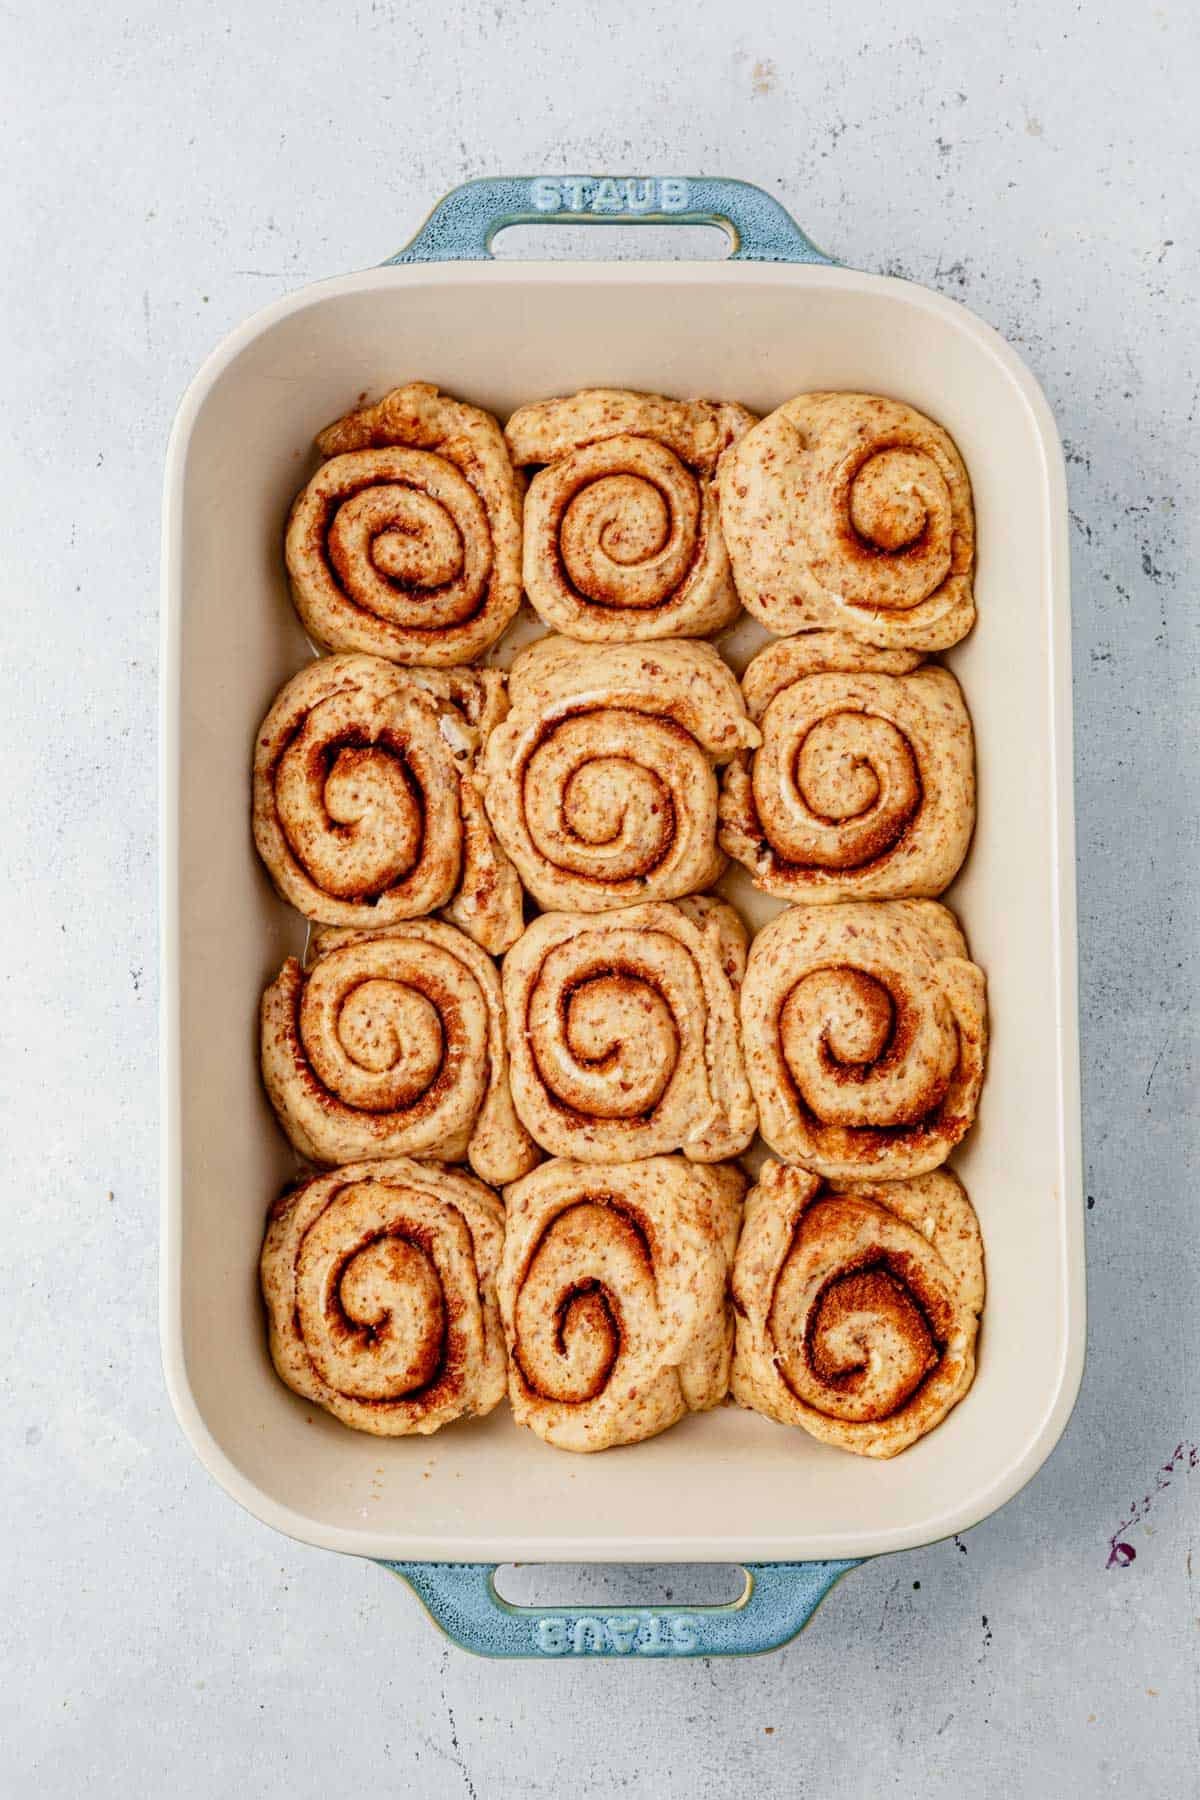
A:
168, 169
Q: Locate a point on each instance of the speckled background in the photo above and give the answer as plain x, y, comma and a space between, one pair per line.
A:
170, 168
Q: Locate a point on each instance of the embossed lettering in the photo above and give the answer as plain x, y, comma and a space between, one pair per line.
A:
607, 198
657, 1641
588, 1635
546, 196
622, 1633
604, 194
648, 1634
550, 1636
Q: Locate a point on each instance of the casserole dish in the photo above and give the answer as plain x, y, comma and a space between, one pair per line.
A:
777, 319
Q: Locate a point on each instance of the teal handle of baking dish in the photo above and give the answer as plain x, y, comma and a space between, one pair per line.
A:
779, 1598
776, 1604
462, 225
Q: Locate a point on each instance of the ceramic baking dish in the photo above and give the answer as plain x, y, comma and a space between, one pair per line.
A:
776, 319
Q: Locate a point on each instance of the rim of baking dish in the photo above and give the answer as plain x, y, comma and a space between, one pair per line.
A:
478, 1547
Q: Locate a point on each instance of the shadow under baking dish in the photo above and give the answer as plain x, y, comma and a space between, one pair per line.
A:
721, 1486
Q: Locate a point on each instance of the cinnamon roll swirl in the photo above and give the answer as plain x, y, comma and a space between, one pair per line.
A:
857, 1306
364, 810
380, 1287
614, 1293
391, 1043
600, 782
406, 543
622, 532
864, 1027
864, 785
852, 511
623, 1035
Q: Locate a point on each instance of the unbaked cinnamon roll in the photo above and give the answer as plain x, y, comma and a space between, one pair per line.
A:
600, 782
614, 1293
622, 533
407, 541
857, 1306
864, 1027
623, 1034
864, 784
391, 1043
380, 1287
364, 810
852, 511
